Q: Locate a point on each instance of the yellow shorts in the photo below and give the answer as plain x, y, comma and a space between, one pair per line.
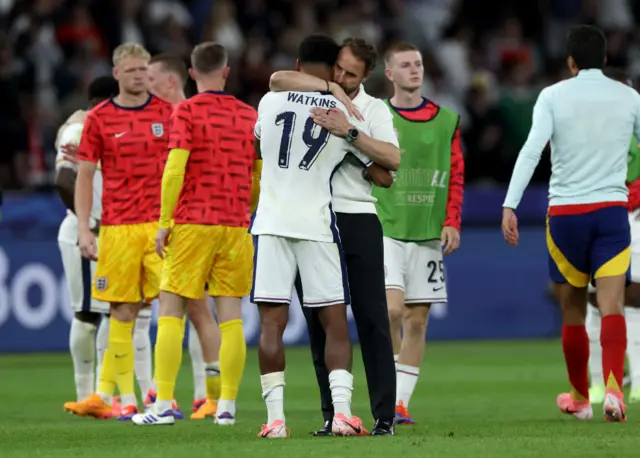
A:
218, 255
128, 269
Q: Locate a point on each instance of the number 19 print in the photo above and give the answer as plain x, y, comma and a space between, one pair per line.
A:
315, 145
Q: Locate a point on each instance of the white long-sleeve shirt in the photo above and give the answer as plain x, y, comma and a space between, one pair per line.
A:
589, 120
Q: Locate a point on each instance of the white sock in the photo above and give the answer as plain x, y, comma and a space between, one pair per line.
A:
82, 344
142, 352
227, 405
395, 359
273, 395
633, 344
406, 379
197, 364
163, 406
594, 324
128, 400
102, 341
341, 384
107, 398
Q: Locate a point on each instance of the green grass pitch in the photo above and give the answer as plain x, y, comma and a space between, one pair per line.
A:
474, 400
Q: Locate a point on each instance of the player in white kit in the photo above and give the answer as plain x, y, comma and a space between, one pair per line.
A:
295, 229
78, 270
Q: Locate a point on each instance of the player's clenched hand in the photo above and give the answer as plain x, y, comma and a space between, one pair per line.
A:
450, 239
87, 244
162, 240
342, 97
334, 120
510, 226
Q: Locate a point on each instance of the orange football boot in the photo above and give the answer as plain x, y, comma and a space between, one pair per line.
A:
93, 406
208, 409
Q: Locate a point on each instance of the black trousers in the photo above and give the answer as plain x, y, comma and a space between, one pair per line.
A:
361, 236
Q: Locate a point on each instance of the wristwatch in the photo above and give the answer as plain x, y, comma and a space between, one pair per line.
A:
352, 135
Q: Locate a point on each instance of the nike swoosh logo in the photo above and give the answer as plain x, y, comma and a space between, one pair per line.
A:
119, 135
437, 289
356, 429
119, 356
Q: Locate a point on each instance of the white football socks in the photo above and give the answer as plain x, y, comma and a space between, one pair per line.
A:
341, 384
161, 406
142, 351
593, 324
102, 341
633, 345
273, 395
406, 380
83, 353
197, 364
227, 405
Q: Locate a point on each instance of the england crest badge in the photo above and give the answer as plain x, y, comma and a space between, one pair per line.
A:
157, 129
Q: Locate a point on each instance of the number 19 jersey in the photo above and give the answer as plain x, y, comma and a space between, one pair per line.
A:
299, 159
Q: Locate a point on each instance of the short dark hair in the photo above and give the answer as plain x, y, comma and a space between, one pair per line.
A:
172, 63
318, 49
364, 51
587, 45
102, 88
401, 46
618, 74
208, 57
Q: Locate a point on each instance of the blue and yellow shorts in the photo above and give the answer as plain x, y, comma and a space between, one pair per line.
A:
589, 246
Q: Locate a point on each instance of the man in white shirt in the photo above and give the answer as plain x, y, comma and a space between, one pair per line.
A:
78, 270
360, 229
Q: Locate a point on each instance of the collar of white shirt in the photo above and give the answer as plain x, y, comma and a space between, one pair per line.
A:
362, 98
590, 72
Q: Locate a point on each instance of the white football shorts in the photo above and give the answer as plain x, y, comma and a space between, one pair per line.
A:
417, 269
78, 271
321, 265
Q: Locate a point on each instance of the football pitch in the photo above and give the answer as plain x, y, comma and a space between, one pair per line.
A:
474, 399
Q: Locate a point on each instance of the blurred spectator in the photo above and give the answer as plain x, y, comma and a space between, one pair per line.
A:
483, 138
16, 78
486, 60
224, 29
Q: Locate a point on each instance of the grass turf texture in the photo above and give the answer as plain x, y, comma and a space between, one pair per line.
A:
474, 399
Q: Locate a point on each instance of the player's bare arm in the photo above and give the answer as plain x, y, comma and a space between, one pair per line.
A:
287, 80
380, 176
65, 183
336, 122
83, 200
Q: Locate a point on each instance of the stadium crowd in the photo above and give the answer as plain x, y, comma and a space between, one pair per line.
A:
488, 64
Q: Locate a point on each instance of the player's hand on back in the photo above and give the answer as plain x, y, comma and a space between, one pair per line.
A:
337, 91
334, 120
70, 150
450, 239
510, 226
87, 244
162, 240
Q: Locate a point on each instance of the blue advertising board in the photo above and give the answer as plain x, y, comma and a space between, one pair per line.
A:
495, 291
